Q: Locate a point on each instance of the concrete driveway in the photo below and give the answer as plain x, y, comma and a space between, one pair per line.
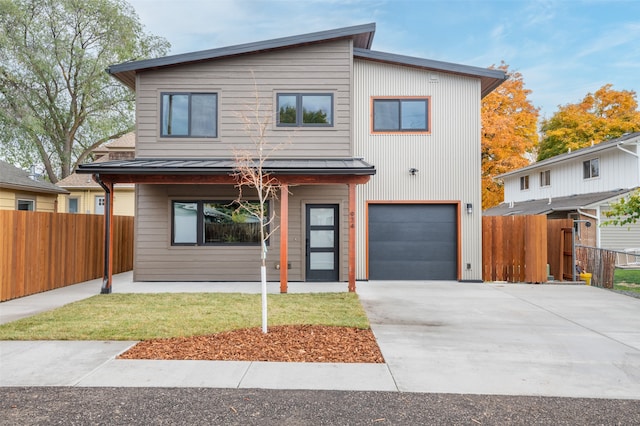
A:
436, 337
510, 339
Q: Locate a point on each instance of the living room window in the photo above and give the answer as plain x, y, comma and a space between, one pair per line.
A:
524, 183
305, 109
214, 223
400, 115
591, 168
189, 115
545, 178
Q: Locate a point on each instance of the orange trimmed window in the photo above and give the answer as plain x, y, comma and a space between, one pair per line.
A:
400, 115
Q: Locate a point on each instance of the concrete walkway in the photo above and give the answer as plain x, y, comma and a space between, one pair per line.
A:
448, 337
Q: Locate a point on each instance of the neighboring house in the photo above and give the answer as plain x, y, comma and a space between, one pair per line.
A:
87, 196
339, 108
20, 190
579, 185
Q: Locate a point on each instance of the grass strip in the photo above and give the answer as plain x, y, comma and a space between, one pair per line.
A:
148, 316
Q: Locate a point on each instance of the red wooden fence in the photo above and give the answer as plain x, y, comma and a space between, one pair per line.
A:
43, 251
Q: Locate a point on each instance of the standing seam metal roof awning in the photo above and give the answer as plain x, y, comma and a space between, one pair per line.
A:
325, 166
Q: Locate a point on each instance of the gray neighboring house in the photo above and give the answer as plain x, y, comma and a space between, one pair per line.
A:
21, 190
579, 185
380, 161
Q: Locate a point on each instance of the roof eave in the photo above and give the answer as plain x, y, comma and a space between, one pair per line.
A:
602, 146
490, 79
362, 36
36, 189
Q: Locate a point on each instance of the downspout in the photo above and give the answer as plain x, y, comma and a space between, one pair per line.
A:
106, 275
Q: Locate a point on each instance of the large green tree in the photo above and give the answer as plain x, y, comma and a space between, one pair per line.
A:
57, 103
509, 133
600, 116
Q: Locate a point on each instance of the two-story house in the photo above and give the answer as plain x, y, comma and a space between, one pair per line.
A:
22, 190
579, 185
335, 108
86, 196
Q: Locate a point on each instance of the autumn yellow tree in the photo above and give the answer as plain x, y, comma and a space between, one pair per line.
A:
603, 115
509, 133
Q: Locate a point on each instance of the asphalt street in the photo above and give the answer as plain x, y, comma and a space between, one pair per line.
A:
199, 406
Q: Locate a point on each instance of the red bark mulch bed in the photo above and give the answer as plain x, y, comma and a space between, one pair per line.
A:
285, 343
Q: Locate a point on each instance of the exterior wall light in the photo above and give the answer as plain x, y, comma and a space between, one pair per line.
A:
469, 208
413, 171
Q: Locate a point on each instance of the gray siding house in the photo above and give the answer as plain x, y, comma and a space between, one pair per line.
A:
378, 155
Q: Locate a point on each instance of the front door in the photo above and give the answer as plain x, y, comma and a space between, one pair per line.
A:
322, 242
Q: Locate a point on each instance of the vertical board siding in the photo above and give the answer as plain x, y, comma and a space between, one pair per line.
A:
42, 251
448, 159
322, 68
618, 169
157, 260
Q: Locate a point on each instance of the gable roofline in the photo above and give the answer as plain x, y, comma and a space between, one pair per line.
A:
12, 177
631, 138
362, 36
557, 204
490, 78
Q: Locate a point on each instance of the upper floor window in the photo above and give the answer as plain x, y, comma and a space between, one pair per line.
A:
545, 178
305, 109
189, 115
524, 182
400, 115
591, 168
214, 222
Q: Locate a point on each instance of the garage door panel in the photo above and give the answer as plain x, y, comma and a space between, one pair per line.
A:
412, 241
411, 213
409, 270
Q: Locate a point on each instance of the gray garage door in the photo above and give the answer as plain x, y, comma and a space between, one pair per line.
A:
412, 242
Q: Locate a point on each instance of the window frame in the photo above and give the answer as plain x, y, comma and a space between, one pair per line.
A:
587, 165
189, 134
77, 200
30, 201
200, 225
524, 183
545, 178
400, 100
300, 112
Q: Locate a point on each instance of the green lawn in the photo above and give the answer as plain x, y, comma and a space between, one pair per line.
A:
627, 280
147, 316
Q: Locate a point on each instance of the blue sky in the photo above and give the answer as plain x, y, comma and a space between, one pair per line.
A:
563, 48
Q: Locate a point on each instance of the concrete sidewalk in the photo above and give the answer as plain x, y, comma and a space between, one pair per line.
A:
449, 337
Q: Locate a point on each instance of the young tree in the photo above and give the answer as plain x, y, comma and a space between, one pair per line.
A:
250, 173
509, 133
603, 115
56, 100
624, 212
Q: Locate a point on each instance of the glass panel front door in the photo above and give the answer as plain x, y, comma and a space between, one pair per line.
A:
322, 242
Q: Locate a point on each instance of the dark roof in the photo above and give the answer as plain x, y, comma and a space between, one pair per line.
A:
218, 166
489, 78
362, 36
12, 177
627, 138
558, 204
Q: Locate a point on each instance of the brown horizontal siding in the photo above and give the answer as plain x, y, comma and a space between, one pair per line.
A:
157, 260
318, 68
